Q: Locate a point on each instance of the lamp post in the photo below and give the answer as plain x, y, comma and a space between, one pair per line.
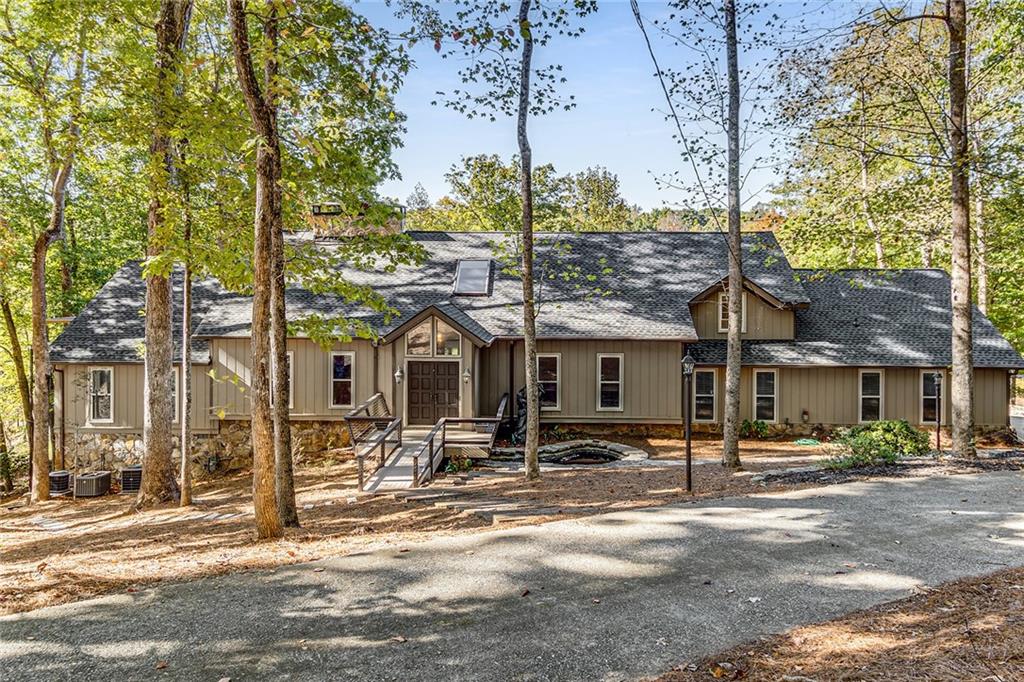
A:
938, 412
688, 363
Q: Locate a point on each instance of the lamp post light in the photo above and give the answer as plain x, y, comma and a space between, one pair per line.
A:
688, 363
938, 413
399, 375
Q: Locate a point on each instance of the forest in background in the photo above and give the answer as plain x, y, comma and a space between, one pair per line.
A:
862, 113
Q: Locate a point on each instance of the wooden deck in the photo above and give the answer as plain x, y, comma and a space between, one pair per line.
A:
397, 472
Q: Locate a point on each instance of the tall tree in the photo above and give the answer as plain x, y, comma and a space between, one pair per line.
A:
268, 210
158, 480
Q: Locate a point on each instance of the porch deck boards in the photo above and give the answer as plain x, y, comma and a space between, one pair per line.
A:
396, 474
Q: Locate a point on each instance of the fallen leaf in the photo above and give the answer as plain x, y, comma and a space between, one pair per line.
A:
596, 601
525, 592
318, 569
399, 639
161, 665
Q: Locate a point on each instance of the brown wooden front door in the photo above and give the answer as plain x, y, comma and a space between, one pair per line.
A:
433, 391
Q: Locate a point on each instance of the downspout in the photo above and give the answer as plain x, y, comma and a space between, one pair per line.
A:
376, 368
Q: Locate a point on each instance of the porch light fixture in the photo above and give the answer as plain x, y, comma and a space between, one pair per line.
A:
688, 363
399, 375
466, 376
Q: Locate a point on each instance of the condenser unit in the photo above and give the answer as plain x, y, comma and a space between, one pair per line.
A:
131, 478
93, 484
60, 482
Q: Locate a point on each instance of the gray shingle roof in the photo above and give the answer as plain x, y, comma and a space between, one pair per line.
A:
872, 318
111, 327
650, 280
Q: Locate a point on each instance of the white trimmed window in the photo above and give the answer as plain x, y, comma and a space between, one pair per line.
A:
418, 341
766, 395
343, 378
931, 396
549, 379
872, 382
609, 381
101, 395
723, 313
704, 385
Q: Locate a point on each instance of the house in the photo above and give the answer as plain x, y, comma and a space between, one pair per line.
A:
618, 312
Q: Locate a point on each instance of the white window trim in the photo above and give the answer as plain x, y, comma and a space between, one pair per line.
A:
775, 396
558, 380
743, 313
600, 356
942, 397
429, 321
330, 378
714, 397
861, 396
88, 408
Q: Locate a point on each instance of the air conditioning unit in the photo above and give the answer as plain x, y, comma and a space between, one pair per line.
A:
60, 482
131, 478
93, 484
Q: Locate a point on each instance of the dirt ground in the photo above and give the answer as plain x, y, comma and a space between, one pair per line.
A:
971, 629
65, 550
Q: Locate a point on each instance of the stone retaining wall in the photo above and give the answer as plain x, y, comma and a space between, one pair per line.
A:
227, 450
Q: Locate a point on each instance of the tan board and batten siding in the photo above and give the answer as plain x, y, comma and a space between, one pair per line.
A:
128, 400
764, 321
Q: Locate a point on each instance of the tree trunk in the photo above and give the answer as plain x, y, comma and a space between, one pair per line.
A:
734, 349
529, 304
158, 481
5, 461
185, 399
19, 371
981, 251
268, 170
962, 393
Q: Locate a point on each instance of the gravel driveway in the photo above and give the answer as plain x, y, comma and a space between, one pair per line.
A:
611, 597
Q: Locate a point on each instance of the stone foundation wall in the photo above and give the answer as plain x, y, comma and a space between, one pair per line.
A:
228, 449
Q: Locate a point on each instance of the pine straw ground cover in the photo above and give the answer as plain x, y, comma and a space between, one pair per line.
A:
970, 629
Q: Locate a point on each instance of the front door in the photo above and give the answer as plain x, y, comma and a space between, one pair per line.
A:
433, 391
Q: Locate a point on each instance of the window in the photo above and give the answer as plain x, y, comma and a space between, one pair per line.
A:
548, 366
447, 341
342, 363
609, 381
704, 395
870, 395
931, 396
723, 313
473, 277
417, 341
101, 395
765, 384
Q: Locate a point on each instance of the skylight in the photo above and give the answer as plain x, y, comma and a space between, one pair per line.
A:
473, 277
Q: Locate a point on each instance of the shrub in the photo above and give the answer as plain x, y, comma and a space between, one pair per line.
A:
753, 429
882, 442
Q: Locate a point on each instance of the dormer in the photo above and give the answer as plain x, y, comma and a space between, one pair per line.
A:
764, 316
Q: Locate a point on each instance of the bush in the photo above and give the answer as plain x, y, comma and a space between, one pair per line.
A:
882, 442
753, 429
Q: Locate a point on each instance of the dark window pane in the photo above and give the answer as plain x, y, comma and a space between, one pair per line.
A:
871, 383
704, 408
547, 367
928, 413
766, 383
871, 409
704, 382
341, 367
548, 394
765, 409
610, 395
928, 387
101, 407
610, 369
341, 392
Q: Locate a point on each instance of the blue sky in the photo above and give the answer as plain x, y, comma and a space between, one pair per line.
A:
613, 125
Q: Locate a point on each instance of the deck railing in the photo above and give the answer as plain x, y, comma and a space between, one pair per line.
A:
432, 447
372, 429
